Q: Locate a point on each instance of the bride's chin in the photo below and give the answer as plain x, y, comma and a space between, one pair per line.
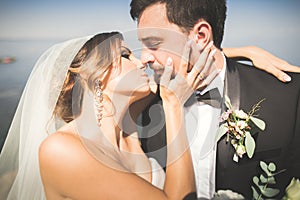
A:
144, 93
141, 93
147, 90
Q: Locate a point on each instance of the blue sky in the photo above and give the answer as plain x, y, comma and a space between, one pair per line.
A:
271, 24
62, 18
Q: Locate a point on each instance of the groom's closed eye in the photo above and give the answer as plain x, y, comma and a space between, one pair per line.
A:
152, 43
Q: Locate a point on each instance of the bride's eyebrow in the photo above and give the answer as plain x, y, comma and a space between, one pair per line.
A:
125, 48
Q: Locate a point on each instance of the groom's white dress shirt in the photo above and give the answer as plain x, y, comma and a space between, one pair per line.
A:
202, 122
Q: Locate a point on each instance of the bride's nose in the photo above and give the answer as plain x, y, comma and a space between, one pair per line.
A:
139, 64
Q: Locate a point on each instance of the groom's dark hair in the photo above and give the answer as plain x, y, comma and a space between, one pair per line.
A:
186, 13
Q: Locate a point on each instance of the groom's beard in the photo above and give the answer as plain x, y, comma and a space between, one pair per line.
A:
158, 70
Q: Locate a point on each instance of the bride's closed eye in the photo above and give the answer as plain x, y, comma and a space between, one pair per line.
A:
125, 52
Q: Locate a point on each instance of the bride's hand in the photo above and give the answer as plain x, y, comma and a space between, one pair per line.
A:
272, 64
179, 89
263, 60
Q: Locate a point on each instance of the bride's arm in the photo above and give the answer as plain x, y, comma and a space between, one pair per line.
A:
264, 60
180, 179
179, 171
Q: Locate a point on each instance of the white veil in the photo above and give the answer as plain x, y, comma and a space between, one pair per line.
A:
19, 166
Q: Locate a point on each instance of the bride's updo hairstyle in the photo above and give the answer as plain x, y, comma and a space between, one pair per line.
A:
93, 60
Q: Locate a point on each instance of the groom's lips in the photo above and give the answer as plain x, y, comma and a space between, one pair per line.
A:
159, 71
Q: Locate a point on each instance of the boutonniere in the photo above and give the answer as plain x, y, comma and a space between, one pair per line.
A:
238, 126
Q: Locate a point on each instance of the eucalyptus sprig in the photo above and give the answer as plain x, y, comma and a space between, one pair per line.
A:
261, 189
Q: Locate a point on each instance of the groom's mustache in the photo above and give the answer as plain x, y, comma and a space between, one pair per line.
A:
156, 67
158, 70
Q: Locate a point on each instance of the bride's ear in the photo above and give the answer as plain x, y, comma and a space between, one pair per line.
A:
201, 33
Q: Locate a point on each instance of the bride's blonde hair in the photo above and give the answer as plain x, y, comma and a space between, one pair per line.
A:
93, 59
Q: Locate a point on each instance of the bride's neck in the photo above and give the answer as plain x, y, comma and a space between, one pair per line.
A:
114, 112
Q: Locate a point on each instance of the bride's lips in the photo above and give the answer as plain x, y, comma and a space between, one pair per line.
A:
144, 75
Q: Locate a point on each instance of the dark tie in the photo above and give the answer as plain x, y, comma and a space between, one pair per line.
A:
211, 97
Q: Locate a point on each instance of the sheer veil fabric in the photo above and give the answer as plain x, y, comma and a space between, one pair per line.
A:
33, 121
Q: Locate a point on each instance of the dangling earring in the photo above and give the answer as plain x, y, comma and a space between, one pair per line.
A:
98, 97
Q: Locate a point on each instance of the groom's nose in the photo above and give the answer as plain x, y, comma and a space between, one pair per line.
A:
147, 57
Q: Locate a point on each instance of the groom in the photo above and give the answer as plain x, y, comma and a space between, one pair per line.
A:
164, 26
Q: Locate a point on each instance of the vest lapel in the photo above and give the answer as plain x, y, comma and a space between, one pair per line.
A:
225, 150
232, 85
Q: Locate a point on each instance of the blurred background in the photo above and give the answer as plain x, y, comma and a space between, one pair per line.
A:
29, 27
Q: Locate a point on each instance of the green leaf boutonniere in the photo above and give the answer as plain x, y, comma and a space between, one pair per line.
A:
238, 126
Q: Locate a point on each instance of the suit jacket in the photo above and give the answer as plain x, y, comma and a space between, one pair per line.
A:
279, 143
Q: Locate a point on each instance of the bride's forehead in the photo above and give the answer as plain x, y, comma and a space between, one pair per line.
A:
124, 44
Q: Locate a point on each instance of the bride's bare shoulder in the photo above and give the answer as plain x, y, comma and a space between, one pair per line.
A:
65, 164
64, 142
61, 148
59, 142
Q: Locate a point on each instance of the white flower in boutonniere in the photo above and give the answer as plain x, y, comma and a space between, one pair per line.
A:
238, 126
292, 192
227, 195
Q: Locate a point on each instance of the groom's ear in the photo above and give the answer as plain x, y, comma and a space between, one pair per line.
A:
202, 33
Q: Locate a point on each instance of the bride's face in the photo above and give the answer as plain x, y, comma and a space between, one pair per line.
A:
129, 77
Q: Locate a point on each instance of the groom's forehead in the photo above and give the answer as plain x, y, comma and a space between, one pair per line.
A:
153, 23
150, 33
159, 34
154, 16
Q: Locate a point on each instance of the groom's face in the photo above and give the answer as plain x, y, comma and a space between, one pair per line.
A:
160, 38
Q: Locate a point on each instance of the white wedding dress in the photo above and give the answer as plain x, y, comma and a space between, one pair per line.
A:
33, 122
158, 174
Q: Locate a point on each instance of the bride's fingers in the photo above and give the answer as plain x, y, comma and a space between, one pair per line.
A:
152, 84
290, 68
198, 67
278, 67
166, 76
208, 66
200, 84
184, 63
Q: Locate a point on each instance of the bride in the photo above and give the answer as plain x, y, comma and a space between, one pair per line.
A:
73, 135
80, 92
